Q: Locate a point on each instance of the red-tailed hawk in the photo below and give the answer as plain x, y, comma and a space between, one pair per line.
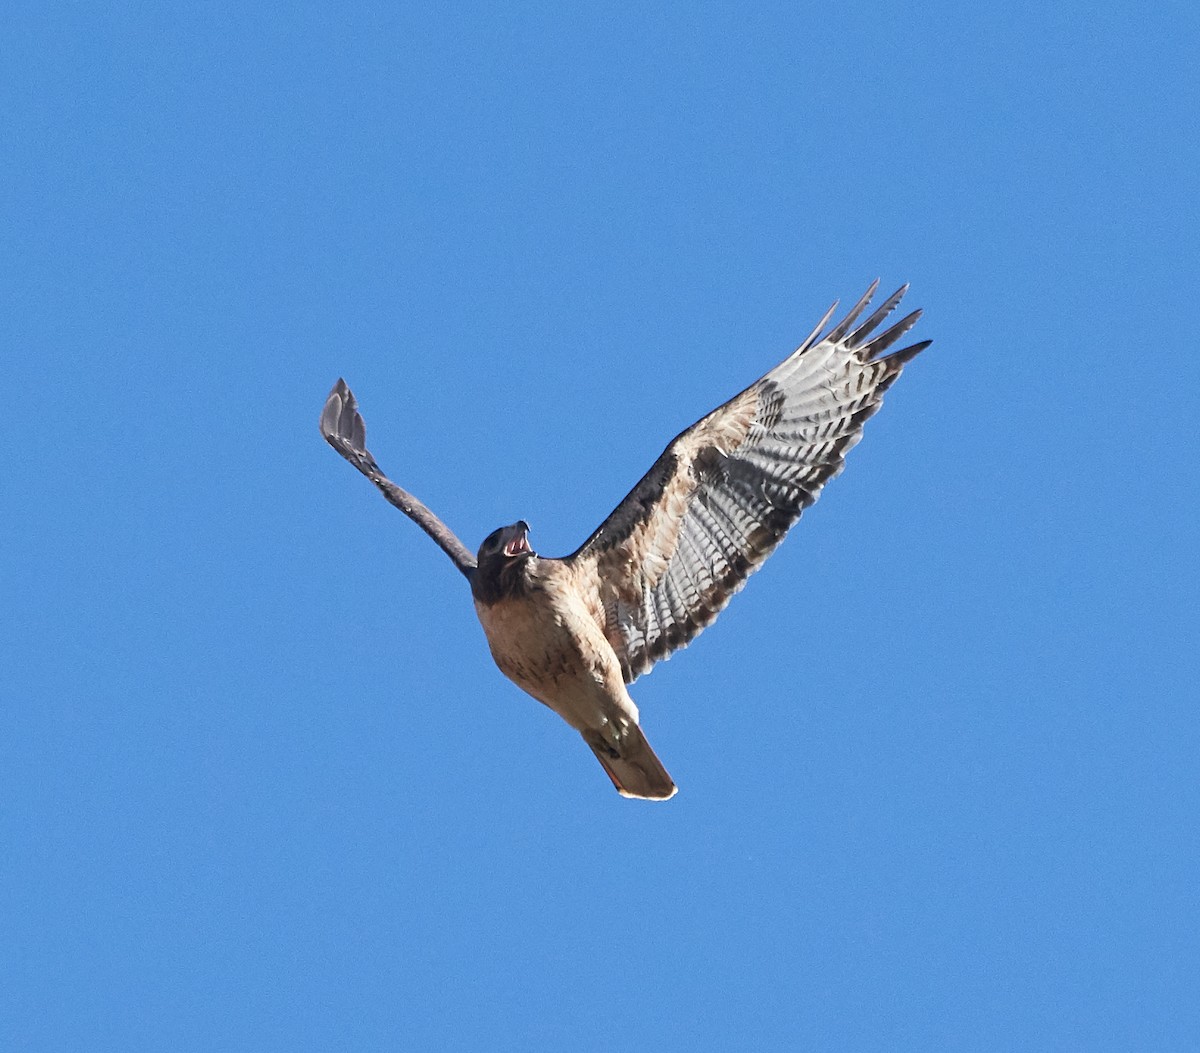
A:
573, 632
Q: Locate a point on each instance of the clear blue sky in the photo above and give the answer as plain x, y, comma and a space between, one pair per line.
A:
261, 786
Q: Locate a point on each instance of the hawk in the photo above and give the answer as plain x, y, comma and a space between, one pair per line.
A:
574, 632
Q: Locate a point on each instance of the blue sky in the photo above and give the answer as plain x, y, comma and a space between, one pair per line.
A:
261, 786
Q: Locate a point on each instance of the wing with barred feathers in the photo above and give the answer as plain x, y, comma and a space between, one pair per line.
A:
725, 491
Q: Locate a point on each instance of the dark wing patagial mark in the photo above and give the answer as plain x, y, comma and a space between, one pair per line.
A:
344, 430
725, 491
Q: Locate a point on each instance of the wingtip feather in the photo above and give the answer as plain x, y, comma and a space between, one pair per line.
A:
814, 336
860, 334
876, 348
907, 354
843, 327
340, 420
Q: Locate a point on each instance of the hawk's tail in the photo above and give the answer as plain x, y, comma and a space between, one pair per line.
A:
633, 767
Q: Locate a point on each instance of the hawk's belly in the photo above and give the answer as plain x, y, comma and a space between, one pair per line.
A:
559, 656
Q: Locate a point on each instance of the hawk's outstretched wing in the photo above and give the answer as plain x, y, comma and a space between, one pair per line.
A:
725, 491
345, 430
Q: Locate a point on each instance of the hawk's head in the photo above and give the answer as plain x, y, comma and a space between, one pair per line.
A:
502, 562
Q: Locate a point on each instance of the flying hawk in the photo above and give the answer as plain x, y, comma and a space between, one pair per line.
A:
574, 632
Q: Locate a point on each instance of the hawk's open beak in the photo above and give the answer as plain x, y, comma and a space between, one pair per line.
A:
519, 543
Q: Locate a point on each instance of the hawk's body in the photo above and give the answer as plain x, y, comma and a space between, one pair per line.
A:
548, 639
573, 632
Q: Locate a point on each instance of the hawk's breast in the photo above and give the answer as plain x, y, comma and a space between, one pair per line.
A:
546, 643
